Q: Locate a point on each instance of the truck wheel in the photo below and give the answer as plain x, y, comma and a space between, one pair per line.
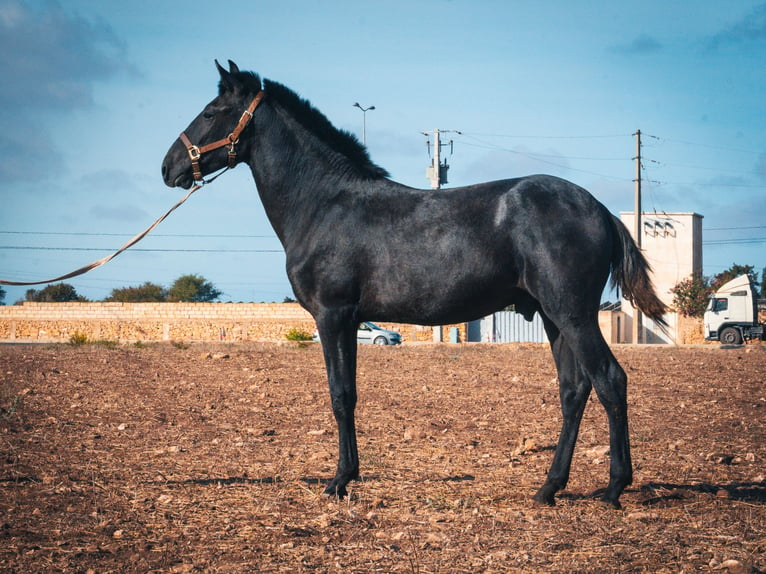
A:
730, 336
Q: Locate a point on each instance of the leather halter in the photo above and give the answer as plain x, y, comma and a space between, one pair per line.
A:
195, 152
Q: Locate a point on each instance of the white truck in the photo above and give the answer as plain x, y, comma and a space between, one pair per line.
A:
732, 313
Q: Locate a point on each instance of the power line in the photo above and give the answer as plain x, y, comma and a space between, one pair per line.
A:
541, 158
733, 228
489, 145
711, 146
711, 184
742, 241
546, 158
582, 137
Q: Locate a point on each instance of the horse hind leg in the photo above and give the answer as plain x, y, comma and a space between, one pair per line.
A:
598, 364
574, 389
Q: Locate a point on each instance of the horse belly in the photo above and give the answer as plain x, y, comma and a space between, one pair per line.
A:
437, 292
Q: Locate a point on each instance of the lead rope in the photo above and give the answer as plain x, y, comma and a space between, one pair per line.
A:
90, 266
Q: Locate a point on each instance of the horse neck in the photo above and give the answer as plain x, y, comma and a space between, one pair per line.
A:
291, 186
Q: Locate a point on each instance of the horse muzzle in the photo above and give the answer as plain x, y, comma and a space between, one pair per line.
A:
176, 170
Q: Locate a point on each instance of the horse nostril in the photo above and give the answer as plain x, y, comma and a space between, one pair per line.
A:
164, 171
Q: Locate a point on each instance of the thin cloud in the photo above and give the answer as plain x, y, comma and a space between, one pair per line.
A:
750, 28
760, 167
641, 44
51, 61
26, 152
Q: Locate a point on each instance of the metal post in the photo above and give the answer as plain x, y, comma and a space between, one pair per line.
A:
437, 160
364, 121
637, 231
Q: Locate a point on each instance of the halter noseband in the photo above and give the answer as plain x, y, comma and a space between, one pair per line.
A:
195, 152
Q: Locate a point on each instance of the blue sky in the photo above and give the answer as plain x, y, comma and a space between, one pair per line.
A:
94, 93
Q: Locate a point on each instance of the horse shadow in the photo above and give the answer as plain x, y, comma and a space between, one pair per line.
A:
653, 493
657, 493
224, 481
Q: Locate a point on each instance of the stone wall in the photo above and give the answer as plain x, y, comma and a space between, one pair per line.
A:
130, 322
690, 331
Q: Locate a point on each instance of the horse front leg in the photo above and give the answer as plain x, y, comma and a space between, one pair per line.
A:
337, 330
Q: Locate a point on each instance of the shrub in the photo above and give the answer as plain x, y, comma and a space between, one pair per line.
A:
690, 296
296, 334
78, 339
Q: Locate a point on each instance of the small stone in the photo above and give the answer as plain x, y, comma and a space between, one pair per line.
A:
733, 566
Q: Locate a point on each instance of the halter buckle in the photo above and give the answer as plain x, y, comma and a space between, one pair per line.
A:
194, 153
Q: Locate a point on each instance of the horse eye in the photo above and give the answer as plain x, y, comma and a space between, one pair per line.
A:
208, 115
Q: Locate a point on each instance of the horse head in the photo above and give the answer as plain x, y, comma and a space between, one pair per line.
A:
212, 140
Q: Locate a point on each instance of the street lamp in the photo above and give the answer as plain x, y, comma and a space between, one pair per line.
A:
364, 120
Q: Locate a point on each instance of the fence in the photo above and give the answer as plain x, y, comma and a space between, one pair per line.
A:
510, 327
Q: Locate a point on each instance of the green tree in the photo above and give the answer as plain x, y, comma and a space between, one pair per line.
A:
56, 293
193, 288
690, 296
2, 296
147, 293
735, 271
763, 282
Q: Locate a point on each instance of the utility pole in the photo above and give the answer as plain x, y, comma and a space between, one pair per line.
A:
637, 318
437, 171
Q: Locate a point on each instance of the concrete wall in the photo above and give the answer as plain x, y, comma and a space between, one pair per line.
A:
128, 322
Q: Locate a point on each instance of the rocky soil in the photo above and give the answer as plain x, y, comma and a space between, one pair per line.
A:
182, 458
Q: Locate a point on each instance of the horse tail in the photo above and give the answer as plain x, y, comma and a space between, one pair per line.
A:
630, 272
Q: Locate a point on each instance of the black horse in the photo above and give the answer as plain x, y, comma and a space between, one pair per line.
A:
361, 247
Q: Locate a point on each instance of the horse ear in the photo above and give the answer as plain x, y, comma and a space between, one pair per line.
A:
233, 68
221, 70
227, 81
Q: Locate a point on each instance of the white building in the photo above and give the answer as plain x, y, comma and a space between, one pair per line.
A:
672, 244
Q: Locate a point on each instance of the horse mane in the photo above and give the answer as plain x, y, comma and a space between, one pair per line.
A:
340, 141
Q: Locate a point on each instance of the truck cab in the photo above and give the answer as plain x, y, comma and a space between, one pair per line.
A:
731, 316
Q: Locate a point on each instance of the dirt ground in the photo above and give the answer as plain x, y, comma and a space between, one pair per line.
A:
175, 458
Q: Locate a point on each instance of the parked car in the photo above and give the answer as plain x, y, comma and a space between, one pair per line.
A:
370, 334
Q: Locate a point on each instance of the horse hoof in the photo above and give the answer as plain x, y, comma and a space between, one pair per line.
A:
544, 498
613, 502
607, 496
335, 490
